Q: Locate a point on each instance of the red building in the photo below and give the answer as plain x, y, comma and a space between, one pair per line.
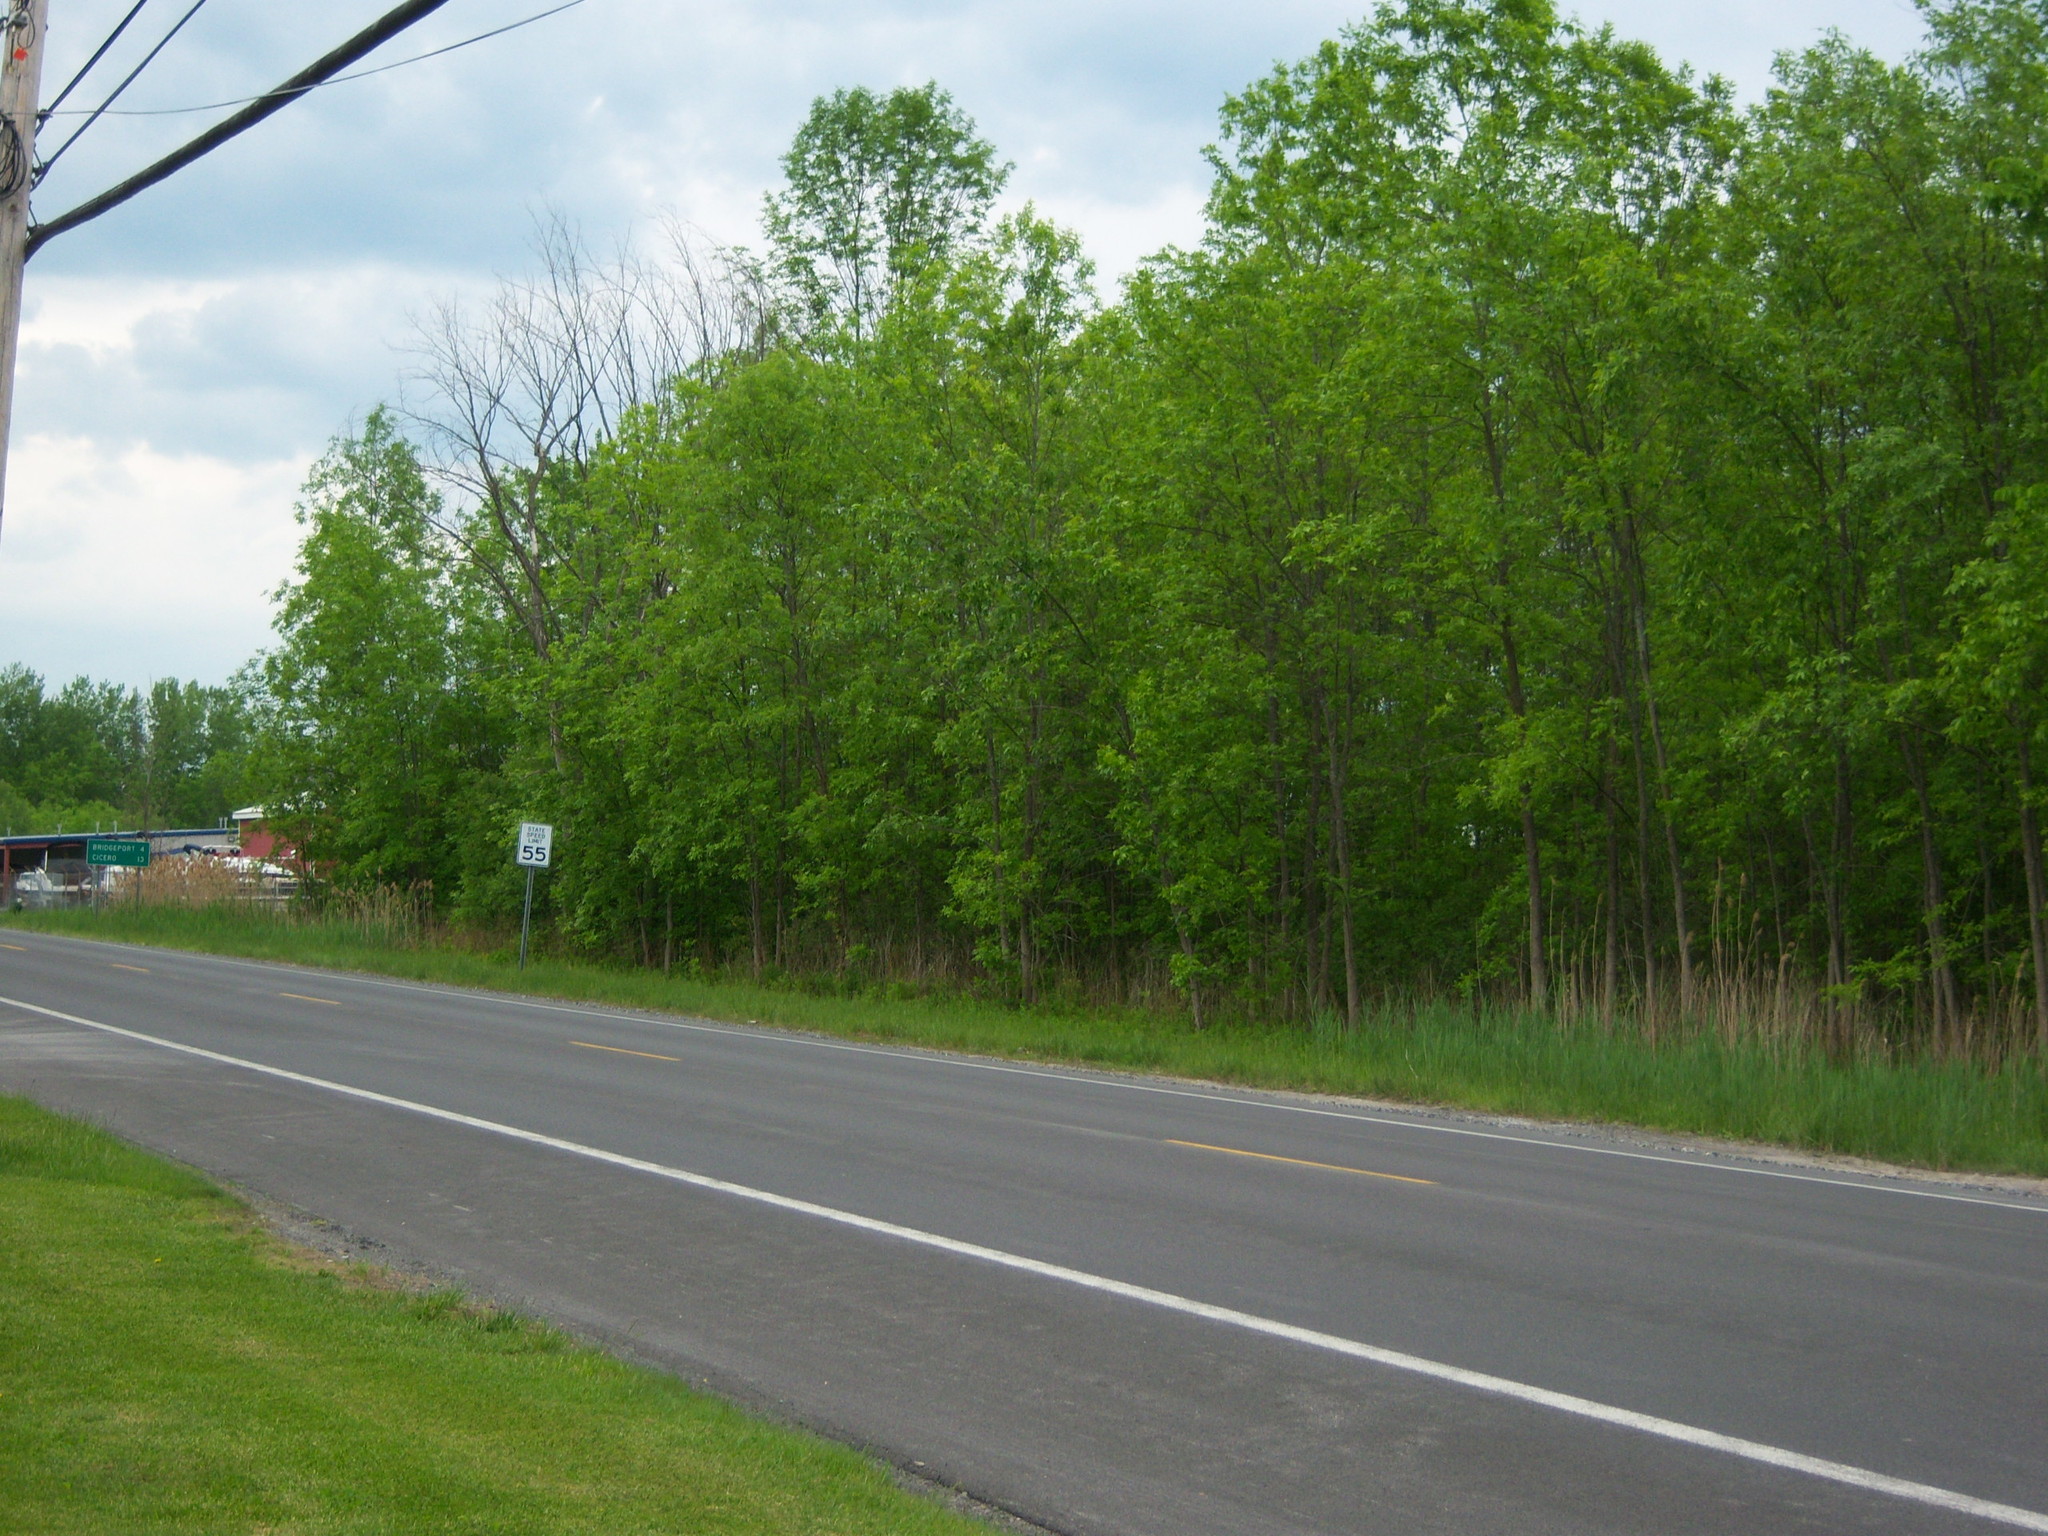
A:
258, 841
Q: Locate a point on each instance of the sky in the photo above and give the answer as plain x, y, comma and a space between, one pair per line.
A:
185, 358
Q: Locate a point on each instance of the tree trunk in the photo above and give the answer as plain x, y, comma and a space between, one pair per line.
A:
1610, 969
2037, 897
1315, 915
754, 933
1183, 931
1941, 976
1283, 889
1340, 847
1844, 830
1831, 869
1678, 912
1644, 910
1532, 852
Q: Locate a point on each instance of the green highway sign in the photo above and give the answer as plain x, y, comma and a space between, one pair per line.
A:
130, 852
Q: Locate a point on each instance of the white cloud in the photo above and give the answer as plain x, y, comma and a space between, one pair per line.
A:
137, 564
102, 318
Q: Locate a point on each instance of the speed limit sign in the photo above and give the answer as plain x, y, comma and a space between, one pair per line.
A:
536, 851
536, 845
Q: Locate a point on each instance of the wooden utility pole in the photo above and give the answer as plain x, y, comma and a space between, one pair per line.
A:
21, 81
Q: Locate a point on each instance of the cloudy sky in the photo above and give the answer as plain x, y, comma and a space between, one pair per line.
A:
184, 358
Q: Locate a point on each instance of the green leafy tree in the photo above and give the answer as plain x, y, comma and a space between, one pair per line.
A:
377, 718
878, 186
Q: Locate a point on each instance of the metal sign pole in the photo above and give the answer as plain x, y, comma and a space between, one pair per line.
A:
526, 917
536, 851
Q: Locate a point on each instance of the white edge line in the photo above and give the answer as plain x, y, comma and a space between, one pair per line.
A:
796, 1035
1478, 1381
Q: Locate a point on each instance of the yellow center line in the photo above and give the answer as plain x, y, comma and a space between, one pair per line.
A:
117, 965
300, 997
622, 1051
1300, 1162
22, 947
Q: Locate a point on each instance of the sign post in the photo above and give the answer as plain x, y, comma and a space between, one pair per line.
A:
536, 851
103, 853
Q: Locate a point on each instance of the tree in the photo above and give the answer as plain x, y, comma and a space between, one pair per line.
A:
378, 714
1554, 540
877, 187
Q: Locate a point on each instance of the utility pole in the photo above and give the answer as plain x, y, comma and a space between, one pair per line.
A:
21, 83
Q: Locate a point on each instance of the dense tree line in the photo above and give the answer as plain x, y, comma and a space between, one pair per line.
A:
99, 755
1559, 536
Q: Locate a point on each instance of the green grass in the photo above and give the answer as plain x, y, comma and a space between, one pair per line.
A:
166, 1366
1934, 1114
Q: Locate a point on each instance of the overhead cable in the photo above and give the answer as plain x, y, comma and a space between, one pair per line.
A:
14, 167
332, 62
97, 54
361, 74
98, 112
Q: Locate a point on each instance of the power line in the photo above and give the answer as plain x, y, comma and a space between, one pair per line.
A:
21, 71
361, 74
97, 54
128, 80
14, 159
328, 65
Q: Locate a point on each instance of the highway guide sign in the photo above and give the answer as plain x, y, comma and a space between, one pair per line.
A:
536, 844
124, 852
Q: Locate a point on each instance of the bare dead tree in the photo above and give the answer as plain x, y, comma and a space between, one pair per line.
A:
514, 399
726, 302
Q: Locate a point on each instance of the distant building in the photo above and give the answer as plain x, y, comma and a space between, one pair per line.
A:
44, 870
214, 841
257, 841
50, 868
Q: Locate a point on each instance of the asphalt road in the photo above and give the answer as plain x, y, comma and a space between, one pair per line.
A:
1116, 1304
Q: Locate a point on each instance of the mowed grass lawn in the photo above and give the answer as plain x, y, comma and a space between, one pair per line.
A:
167, 1366
1911, 1110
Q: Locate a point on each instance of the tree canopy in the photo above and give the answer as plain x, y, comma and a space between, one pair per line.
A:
1559, 536
99, 755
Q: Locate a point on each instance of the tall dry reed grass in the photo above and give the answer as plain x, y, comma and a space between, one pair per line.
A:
1739, 996
398, 915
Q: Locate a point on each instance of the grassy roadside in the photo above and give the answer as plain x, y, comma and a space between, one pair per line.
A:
1946, 1115
167, 1366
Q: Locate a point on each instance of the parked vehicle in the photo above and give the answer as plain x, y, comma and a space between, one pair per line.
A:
35, 891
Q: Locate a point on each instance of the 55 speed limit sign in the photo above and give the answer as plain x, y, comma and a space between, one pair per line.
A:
536, 845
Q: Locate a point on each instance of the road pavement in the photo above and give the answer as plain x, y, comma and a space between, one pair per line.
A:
1114, 1304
